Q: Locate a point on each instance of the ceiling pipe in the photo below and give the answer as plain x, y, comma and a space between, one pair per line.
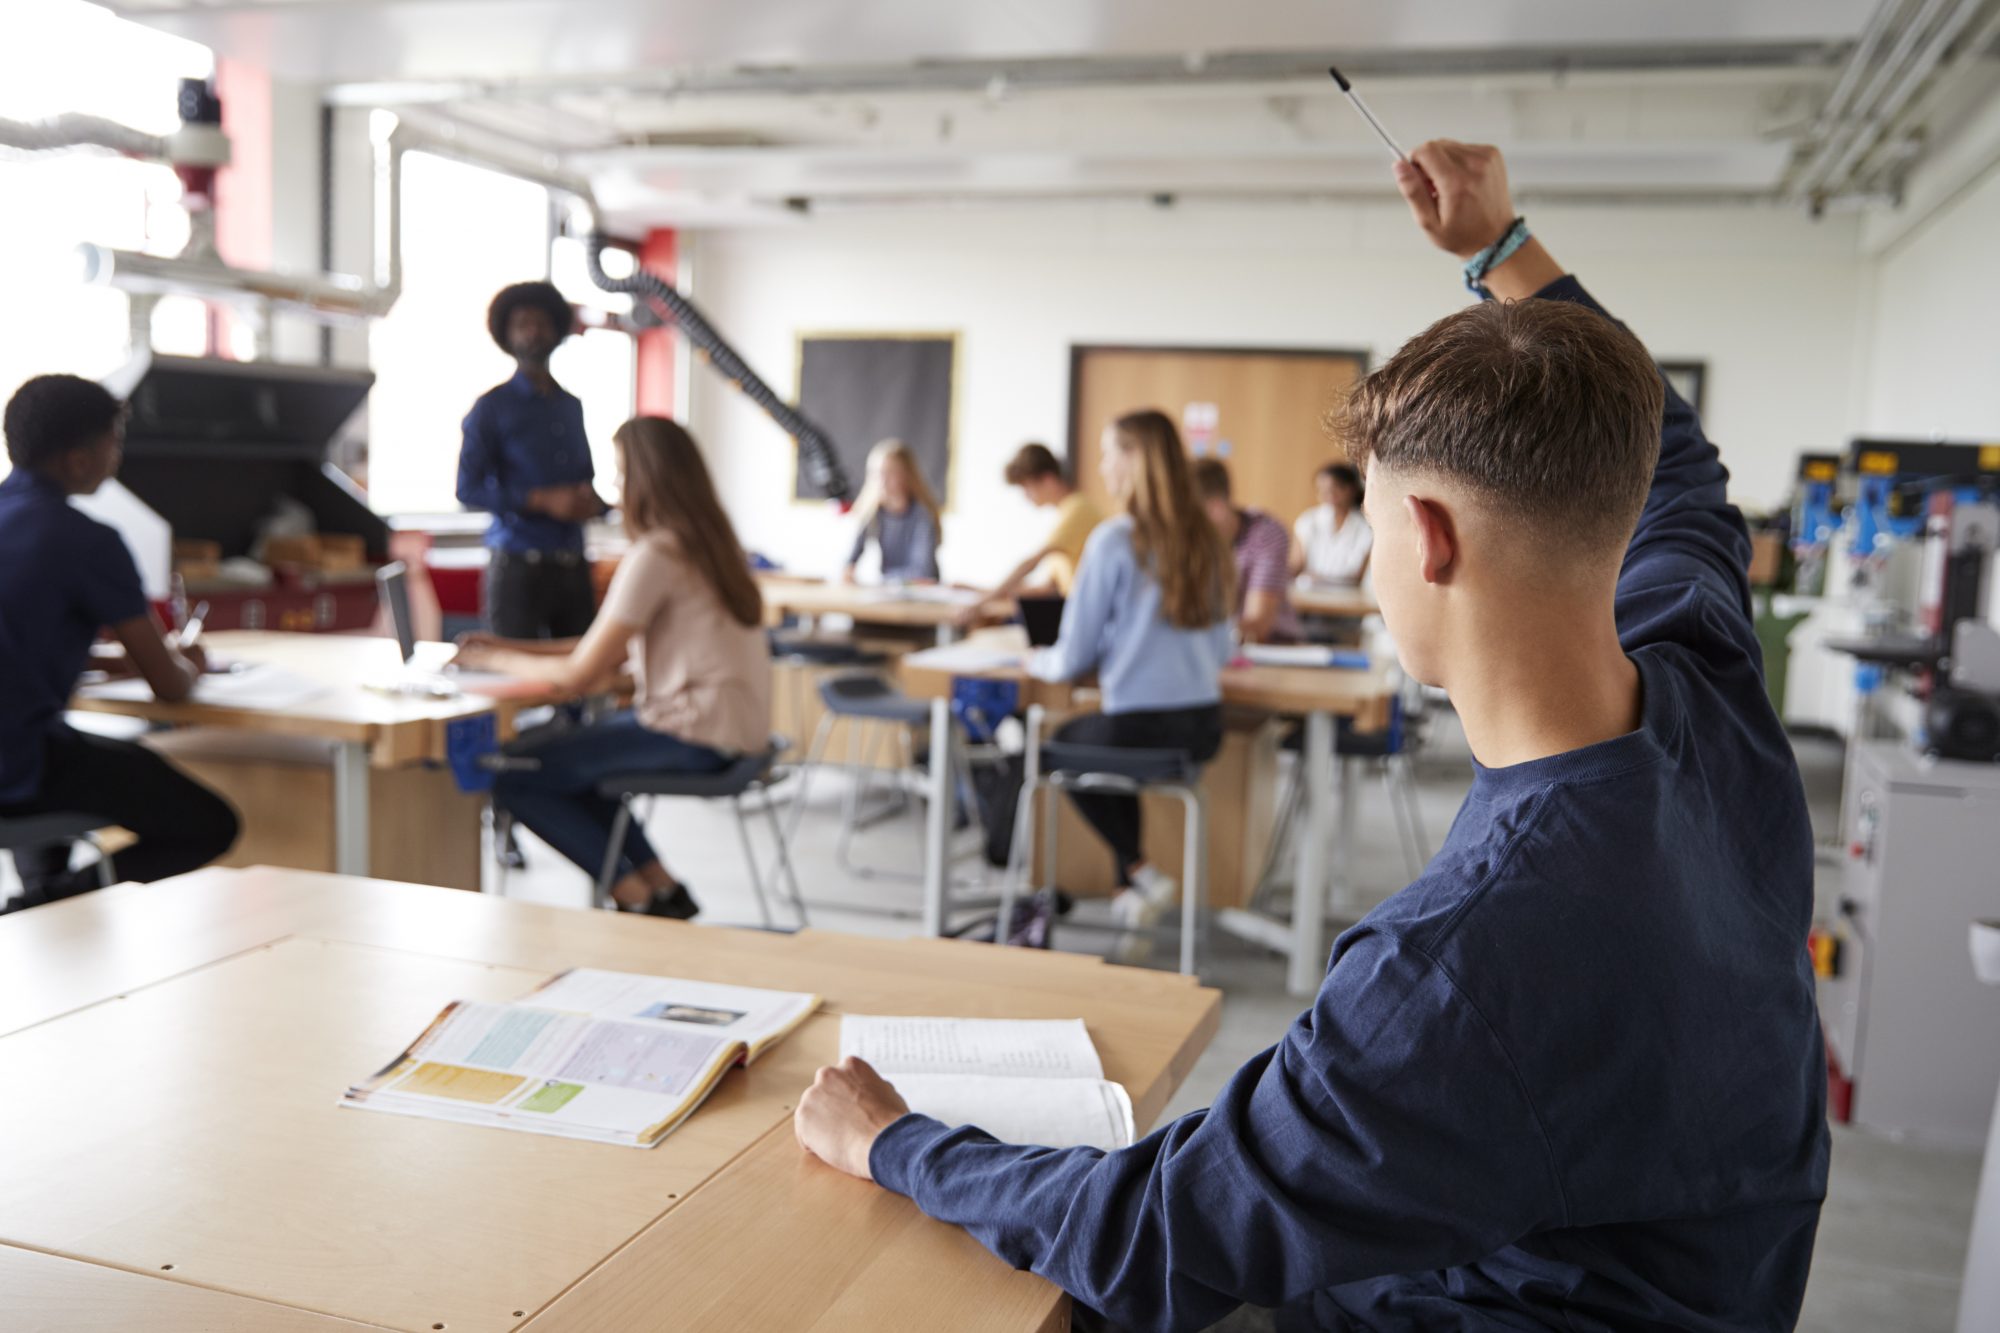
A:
1865, 50
1871, 130
1927, 100
73, 130
1830, 149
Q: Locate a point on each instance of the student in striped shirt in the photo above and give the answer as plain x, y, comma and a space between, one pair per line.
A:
1263, 554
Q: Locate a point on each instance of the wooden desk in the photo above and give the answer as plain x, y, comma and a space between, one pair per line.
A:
393, 810
1351, 603
174, 1055
1317, 694
867, 606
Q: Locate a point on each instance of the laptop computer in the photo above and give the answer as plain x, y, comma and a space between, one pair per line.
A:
1043, 618
392, 582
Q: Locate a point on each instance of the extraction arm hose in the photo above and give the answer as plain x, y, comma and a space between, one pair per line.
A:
817, 456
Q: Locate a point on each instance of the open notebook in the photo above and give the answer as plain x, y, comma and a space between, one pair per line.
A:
614, 1057
1020, 1080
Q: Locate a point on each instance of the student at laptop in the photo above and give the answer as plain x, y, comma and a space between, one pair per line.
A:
64, 577
899, 514
1263, 583
1330, 542
1573, 1076
526, 461
1149, 613
685, 609
1040, 476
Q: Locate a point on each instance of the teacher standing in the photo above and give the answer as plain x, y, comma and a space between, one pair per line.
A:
526, 461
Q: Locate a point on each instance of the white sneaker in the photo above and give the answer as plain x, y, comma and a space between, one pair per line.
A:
1139, 909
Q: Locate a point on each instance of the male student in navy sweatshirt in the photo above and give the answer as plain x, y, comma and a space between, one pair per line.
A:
1572, 1077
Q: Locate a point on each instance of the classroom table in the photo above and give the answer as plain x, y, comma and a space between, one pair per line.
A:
1332, 599
370, 732
1318, 694
174, 1055
932, 607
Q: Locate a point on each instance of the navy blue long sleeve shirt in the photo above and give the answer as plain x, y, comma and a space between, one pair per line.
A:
1570, 1078
516, 440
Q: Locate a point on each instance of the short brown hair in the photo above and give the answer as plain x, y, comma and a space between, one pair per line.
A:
1546, 409
1211, 478
1031, 461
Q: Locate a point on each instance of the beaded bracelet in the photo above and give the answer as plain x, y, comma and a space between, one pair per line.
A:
1494, 255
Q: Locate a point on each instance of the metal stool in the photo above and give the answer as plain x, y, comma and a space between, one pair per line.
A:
869, 698
28, 831
1054, 766
1396, 747
747, 775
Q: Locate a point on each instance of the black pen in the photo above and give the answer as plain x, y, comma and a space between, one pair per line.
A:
1367, 115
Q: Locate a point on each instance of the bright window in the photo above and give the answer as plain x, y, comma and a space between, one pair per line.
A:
468, 232
63, 55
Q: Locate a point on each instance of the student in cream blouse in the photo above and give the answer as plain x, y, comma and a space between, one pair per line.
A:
1331, 541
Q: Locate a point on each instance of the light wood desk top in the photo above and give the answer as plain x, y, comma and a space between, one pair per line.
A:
397, 729
786, 595
1333, 600
1363, 695
175, 1052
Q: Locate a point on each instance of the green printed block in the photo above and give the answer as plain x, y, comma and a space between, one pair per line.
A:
550, 1096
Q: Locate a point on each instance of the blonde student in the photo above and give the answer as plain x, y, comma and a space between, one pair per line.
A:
686, 611
898, 512
1051, 568
1332, 540
1149, 614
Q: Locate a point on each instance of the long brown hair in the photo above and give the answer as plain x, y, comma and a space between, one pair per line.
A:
1171, 535
668, 489
894, 453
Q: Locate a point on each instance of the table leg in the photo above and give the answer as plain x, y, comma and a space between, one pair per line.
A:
947, 634
937, 824
1308, 961
1342, 863
350, 808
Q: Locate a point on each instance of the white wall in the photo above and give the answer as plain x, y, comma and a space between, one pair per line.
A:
1768, 299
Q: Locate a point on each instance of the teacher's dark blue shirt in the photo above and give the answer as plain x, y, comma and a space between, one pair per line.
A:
63, 577
517, 439
1571, 1078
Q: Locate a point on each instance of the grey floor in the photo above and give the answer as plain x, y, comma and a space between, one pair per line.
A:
1892, 1239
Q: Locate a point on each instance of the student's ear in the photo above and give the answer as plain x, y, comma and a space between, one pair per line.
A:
1437, 540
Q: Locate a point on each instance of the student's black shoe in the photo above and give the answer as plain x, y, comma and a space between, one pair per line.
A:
675, 903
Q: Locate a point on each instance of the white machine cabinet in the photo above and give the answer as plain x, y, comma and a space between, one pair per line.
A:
1907, 1020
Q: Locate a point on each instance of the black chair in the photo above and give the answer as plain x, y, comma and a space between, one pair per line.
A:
868, 698
749, 775
1057, 766
31, 831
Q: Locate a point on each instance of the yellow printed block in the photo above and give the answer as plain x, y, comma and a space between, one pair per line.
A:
460, 1083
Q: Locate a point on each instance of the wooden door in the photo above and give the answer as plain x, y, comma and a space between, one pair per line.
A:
1260, 410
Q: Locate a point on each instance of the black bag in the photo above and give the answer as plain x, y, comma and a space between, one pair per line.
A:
997, 786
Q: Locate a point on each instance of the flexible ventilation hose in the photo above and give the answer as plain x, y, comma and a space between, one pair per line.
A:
817, 456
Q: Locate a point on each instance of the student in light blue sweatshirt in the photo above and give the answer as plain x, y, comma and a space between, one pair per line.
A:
1149, 613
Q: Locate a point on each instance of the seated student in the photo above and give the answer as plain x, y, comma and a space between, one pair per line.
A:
1040, 476
684, 607
1149, 613
63, 578
898, 512
1330, 542
1573, 1076
1263, 584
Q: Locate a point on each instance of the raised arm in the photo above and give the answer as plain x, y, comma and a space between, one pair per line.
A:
1689, 535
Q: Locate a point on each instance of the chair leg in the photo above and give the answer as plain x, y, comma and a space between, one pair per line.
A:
503, 823
815, 752
1019, 850
784, 861
856, 793
1405, 770
750, 861
107, 874
1194, 878
609, 875
1282, 830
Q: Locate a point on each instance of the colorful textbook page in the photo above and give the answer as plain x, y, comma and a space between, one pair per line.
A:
608, 1056
1021, 1080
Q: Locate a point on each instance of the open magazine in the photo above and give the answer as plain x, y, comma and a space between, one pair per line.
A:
615, 1057
1021, 1080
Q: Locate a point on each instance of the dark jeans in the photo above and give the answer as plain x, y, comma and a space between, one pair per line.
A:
1116, 818
180, 824
559, 800
538, 595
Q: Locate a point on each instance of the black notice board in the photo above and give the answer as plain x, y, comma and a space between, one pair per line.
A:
863, 388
